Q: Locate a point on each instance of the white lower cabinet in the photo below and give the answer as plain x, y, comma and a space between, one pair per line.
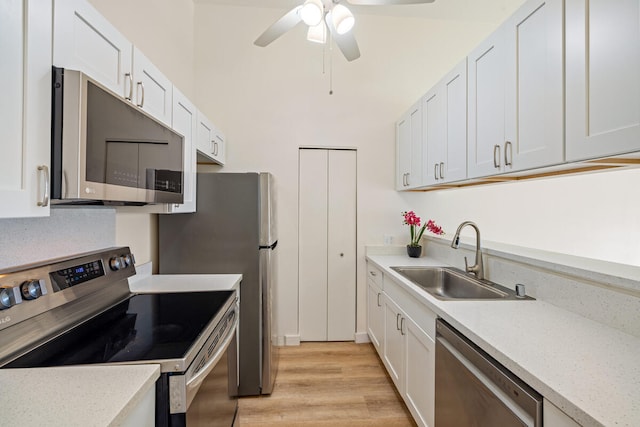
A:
375, 315
419, 373
409, 351
552, 416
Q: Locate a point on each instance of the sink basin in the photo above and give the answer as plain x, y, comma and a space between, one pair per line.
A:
447, 283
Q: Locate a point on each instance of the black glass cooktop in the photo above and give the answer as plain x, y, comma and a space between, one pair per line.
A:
144, 327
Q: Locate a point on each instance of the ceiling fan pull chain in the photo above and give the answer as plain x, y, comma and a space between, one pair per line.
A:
330, 64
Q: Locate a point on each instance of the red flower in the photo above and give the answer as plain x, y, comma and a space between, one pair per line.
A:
413, 221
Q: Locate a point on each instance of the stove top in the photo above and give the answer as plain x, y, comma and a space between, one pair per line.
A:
144, 328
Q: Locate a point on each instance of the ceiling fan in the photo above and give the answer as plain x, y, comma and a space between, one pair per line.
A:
323, 15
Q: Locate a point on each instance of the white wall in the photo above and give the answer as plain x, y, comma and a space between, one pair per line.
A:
272, 100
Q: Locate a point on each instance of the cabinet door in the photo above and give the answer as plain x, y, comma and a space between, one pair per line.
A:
403, 151
209, 140
84, 40
393, 343
534, 133
409, 148
152, 90
415, 174
433, 131
25, 107
375, 315
184, 121
453, 165
486, 106
219, 147
603, 77
419, 373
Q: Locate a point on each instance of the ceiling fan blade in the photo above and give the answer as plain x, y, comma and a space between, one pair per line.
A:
346, 42
281, 26
386, 2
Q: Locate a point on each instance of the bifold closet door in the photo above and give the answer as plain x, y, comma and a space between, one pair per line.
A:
327, 244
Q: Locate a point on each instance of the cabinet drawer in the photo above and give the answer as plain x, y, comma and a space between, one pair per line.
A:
374, 274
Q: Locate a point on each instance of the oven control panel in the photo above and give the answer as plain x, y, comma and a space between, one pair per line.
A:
30, 290
77, 274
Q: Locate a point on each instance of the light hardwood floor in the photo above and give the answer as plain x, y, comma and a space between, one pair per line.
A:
328, 384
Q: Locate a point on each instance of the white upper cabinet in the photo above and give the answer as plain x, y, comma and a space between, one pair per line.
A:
84, 40
603, 78
211, 142
152, 91
25, 107
445, 128
487, 74
534, 133
184, 121
409, 140
516, 93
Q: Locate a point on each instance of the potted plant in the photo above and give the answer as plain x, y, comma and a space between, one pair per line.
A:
414, 249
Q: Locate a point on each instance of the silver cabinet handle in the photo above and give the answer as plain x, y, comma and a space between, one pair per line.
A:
408, 182
441, 170
373, 273
379, 305
130, 96
141, 103
398, 321
402, 326
435, 171
44, 170
496, 156
215, 148
508, 154
405, 180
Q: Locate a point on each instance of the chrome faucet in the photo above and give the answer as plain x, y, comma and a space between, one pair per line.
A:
477, 268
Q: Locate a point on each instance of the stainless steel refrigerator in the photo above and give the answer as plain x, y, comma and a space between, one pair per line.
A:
233, 231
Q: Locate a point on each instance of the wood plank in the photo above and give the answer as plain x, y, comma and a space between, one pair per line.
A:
328, 384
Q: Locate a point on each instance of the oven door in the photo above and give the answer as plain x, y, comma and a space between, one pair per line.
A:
206, 394
216, 401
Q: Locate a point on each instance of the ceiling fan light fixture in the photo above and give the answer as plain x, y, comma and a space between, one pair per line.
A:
343, 19
317, 33
312, 12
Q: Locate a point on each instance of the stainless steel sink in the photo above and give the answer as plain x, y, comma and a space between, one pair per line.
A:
447, 283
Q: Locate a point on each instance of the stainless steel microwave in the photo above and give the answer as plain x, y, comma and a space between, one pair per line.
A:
105, 150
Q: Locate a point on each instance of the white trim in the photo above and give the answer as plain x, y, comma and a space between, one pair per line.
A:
362, 338
291, 340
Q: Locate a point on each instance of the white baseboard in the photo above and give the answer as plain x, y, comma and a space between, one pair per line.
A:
362, 337
291, 340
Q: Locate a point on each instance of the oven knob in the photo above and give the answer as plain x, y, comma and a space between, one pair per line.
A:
116, 263
7, 300
127, 260
31, 289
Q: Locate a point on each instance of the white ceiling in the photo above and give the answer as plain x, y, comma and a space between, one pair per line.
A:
467, 10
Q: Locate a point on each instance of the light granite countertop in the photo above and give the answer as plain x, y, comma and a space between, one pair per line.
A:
71, 396
589, 370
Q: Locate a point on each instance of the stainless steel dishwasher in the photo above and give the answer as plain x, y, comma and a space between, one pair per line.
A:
473, 389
